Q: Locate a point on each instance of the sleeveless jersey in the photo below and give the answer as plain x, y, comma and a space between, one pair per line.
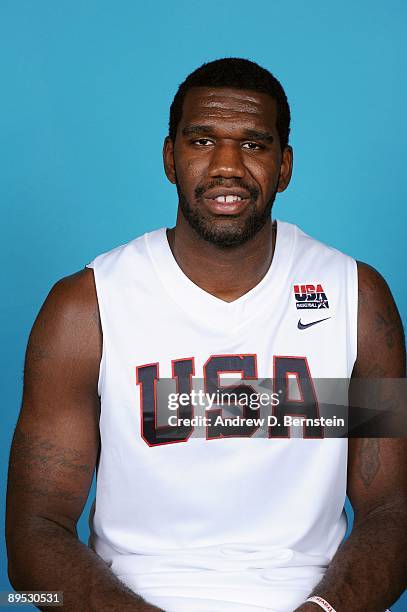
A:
206, 521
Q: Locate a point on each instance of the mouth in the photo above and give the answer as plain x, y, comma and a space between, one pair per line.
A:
224, 201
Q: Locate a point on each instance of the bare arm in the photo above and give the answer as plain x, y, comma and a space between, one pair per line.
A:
369, 570
54, 453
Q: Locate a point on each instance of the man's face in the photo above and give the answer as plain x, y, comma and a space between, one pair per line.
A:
227, 163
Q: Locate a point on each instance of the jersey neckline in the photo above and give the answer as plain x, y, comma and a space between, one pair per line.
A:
202, 304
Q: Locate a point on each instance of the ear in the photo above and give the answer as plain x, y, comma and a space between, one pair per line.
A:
286, 169
168, 159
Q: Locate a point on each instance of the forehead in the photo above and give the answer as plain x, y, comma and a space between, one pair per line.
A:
229, 106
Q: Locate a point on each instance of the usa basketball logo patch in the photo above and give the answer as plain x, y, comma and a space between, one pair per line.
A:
310, 296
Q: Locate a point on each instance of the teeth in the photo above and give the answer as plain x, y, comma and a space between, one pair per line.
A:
228, 198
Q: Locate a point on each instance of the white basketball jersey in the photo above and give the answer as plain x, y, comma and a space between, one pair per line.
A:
205, 520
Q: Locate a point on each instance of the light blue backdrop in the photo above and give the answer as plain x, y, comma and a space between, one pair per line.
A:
85, 92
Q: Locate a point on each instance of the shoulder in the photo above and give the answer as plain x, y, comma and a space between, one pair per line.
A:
72, 296
381, 348
376, 304
68, 324
372, 285
78, 286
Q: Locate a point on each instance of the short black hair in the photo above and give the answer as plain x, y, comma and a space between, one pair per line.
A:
238, 73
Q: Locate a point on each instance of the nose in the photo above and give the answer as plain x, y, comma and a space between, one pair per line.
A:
226, 161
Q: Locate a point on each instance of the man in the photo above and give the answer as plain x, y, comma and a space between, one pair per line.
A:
217, 521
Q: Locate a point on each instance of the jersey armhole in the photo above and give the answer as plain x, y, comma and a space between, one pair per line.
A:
102, 364
353, 300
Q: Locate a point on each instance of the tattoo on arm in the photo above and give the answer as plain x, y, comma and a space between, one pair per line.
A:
387, 323
369, 464
376, 371
50, 463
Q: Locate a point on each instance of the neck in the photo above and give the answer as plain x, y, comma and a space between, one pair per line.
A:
225, 273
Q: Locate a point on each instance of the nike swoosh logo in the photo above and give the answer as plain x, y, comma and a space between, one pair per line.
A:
305, 325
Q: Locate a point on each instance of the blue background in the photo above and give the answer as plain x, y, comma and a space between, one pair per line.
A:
85, 92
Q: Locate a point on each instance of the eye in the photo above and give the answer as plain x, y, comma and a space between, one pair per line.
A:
202, 142
252, 146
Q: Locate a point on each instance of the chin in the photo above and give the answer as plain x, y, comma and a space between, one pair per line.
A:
226, 233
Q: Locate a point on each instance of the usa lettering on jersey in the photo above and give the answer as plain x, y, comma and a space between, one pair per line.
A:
310, 296
184, 369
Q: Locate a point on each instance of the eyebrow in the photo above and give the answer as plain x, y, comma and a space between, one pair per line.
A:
192, 130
